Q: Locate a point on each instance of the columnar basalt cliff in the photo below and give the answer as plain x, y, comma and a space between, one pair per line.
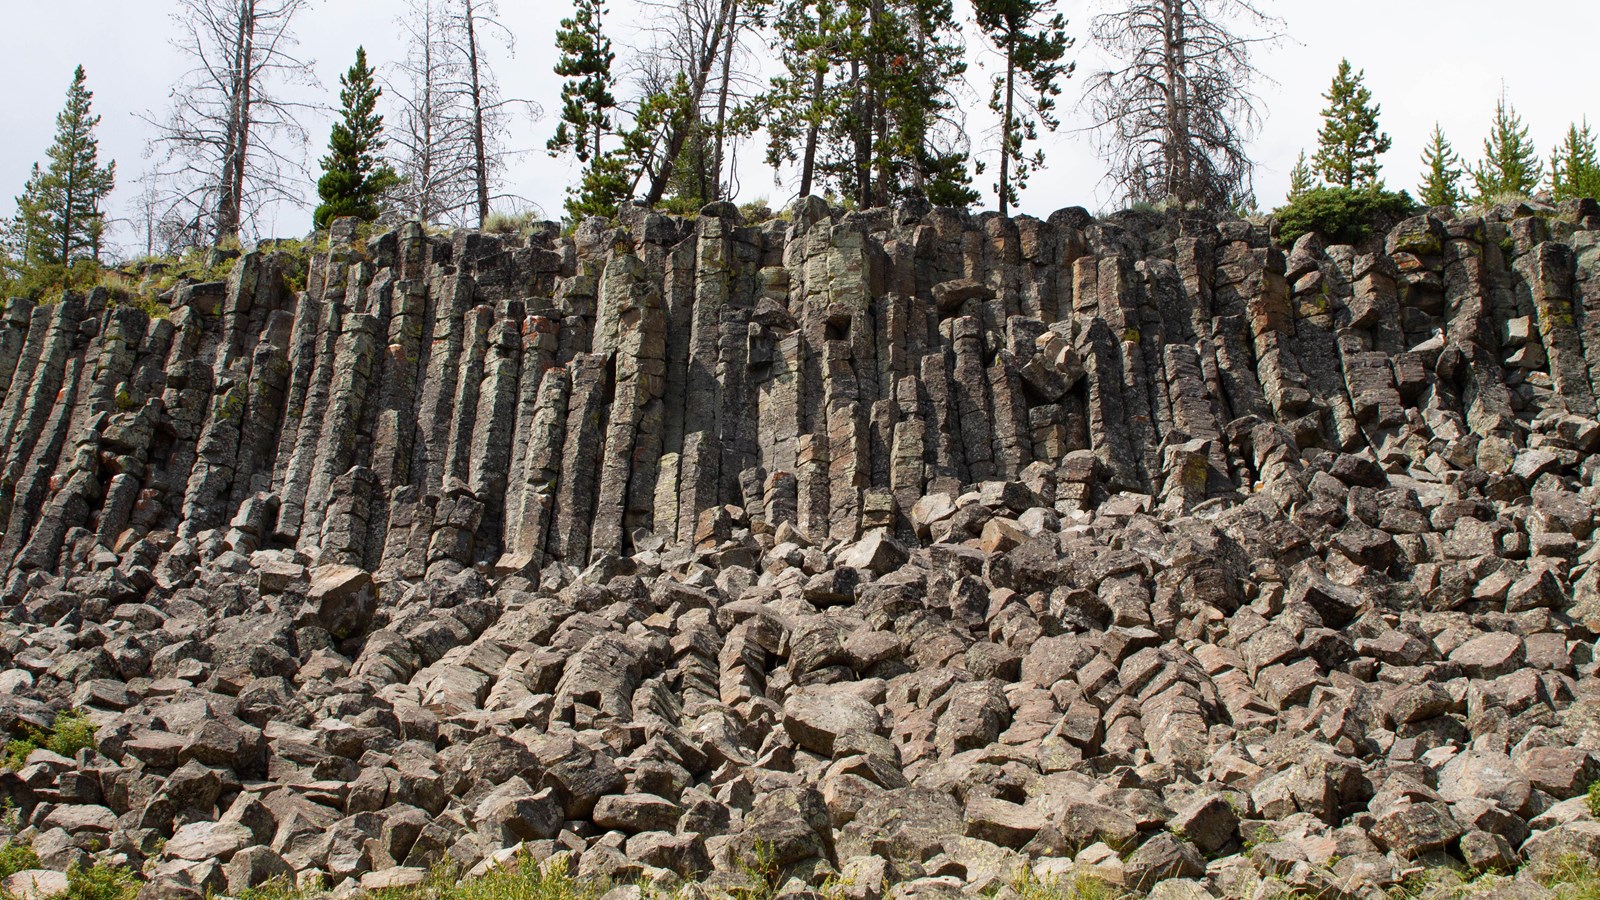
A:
911, 545
428, 404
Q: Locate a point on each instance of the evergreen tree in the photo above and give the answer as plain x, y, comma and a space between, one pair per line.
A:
1574, 168
354, 174
587, 104
1033, 43
1510, 163
609, 179
60, 219
865, 101
1441, 184
804, 97
588, 115
1301, 178
1350, 143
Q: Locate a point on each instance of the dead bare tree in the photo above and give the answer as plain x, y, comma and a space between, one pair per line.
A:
233, 143
465, 26
433, 138
1173, 121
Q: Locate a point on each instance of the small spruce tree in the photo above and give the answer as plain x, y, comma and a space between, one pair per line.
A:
1574, 167
1441, 182
60, 218
587, 104
1350, 143
1301, 178
1510, 163
355, 176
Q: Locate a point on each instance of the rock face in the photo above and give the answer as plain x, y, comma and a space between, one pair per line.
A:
917, 548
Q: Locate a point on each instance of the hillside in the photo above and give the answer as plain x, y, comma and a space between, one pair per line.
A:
853, 548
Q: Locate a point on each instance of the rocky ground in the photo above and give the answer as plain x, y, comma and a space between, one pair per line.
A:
1317, 650
1135, 695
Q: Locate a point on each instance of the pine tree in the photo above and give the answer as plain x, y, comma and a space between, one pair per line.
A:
1574, 168
588, 115
1033, 44
1441, 184
1510, 163
354, 174
1350, 143
865, 101
587, 103
60, 217
1301, 178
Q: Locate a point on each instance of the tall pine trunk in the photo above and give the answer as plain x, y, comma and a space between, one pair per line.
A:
1009, 126
813, 125
480, 151
230, 201
722, 97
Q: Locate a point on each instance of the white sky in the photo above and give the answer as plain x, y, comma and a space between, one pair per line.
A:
1425, 60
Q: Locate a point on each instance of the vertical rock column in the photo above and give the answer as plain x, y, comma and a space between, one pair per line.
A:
632, 331
492, 438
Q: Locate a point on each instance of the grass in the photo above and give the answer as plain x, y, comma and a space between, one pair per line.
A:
71, 732
521, 222
1029, 886
1571, 878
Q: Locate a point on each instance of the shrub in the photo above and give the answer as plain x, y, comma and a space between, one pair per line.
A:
101, 882
1343, 215
71, 732
17, 856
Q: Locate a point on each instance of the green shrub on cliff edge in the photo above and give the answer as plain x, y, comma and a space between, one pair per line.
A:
1343, 215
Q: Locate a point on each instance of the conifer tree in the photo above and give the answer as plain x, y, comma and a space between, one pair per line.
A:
60, 217
587, 104
1301, 178
588, 111
354, 173
1510, 163
1350, 143
865, 103
1574, 168
1441, 183
1033, 44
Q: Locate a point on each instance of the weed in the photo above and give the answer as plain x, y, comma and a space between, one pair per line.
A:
283, 888
1262, 835
1080, 886
761, 874
17, 856
101, 882
71, 732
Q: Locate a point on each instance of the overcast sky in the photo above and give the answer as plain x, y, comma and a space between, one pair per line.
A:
1425, 60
